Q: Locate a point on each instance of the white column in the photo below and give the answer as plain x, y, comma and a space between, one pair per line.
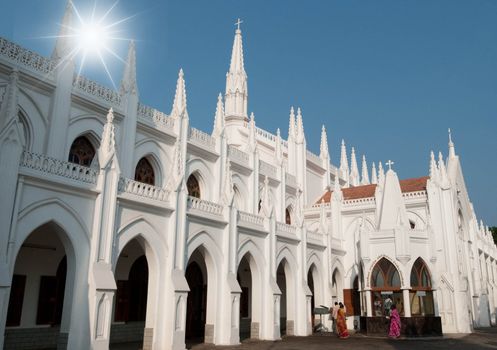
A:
407, 303
369, 306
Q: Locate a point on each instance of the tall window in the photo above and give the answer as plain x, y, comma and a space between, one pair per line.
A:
385, 287
288, 217
193, 186
421, 295
144, 172
81, 152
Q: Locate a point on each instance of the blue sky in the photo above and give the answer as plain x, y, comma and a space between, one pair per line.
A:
387, 76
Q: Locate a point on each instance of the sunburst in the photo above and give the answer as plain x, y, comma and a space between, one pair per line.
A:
94, 36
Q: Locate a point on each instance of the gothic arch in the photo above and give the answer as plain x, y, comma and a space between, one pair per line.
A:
256, 262
417, 220
156, 253
154, 164
153, 151
241, 186
397, 268
35, 118
88, 125
27, 125
74, 237
207, 247
202, 173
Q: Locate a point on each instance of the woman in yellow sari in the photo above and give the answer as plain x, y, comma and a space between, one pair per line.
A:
341, 323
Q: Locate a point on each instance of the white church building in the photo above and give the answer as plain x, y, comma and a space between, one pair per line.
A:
121, 223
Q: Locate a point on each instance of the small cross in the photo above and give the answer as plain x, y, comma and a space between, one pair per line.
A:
389, 163
238, 23
450, 136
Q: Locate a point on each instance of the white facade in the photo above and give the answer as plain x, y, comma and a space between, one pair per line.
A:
275, 226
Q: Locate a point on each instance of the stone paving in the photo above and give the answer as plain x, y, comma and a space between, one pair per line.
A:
479, 340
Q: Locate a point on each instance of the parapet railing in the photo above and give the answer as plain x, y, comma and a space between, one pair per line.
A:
250, 218
26, 57
94, 89
52, 166
142, 189
155, 117
204, 206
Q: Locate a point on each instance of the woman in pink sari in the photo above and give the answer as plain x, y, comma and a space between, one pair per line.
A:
341, 323
394, 331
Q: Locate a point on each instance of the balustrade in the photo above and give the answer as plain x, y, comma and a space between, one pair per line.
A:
204, 206
94, 89
58, 167
26, 57
142, 189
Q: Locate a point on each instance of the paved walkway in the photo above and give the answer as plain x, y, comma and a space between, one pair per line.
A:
481, 339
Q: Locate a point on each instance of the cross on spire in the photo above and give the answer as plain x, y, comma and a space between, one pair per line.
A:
237, 24
389, 163
450, 136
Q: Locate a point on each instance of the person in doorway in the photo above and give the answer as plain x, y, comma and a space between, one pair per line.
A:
388, 304
394, 331
341, 323
334, 312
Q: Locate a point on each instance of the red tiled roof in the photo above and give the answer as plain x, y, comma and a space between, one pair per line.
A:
367, 191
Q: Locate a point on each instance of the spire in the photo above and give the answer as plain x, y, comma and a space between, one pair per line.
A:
354, 170
236, 81
179, 104
219, 117
324, 153
442, 169
63, 44
365, 173
452, 150
337, 191
266, 206
381, 174
278, 150
128, 82
300, 127
177, 170
108, 144
228, 191
433, 167
374, 178
344, 162
252, 142
291, 125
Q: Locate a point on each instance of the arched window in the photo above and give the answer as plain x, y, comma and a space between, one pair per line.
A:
81, 152
193, 186
385, 287
288, 217
421, 295
25, 132
385, 275
412, 224
144, 172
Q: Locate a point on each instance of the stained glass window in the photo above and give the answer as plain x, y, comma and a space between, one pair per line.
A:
81, 152
144, 172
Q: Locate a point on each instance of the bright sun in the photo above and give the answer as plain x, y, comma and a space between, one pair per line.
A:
93, 37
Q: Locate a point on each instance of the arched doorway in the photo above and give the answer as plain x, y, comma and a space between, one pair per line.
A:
193, 186
385, 287
310, 283
287, 302
421, 294
38, 302
201, 307
130, 308
244, 278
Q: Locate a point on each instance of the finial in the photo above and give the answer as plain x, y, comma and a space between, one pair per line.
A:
110, 115
452, 151
237, 24
389, 163
374, 174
